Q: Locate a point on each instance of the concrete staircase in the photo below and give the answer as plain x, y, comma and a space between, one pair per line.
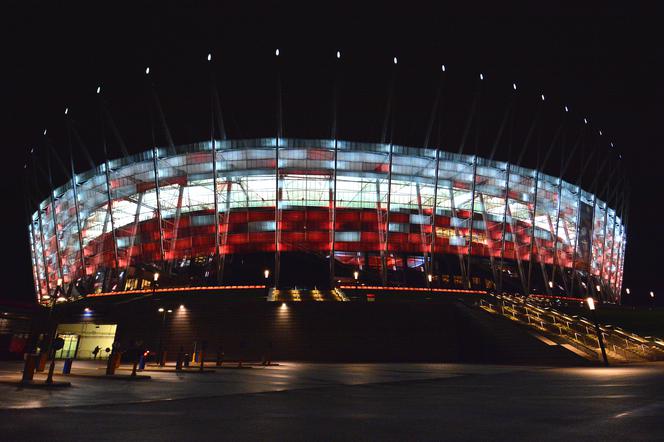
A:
575, 334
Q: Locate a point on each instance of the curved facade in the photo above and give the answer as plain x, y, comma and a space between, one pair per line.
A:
368, 205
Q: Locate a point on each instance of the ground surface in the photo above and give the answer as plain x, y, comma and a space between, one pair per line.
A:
297, 401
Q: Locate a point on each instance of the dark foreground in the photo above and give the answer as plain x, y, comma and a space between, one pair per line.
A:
346, 402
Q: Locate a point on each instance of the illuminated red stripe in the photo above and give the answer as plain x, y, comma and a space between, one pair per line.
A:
411, 289
180, 289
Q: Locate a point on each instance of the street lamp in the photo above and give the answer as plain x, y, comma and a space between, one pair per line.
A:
155, 278
57, 297
161, 334
356, 275
430, 277
266, 273
591, 307
627, 290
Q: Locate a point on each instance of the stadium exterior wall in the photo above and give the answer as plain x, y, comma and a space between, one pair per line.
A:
374, 207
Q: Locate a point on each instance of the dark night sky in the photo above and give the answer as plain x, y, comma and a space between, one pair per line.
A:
604, 62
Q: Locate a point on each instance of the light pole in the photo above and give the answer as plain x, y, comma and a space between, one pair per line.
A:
161, 334
591, 307
266, 273
57, 297
155, 278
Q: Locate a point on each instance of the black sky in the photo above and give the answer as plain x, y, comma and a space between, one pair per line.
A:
605, 62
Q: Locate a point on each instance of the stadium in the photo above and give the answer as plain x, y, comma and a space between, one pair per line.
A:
323, 214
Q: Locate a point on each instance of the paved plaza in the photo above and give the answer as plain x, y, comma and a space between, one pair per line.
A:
303, 401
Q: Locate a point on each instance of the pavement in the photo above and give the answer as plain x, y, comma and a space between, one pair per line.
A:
306, 401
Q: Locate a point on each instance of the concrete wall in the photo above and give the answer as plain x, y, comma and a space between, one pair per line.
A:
326, 331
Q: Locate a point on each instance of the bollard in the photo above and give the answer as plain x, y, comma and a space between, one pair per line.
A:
41, 362
66, 368
110, 365
202, 355
178, 362
113, 363
29, 367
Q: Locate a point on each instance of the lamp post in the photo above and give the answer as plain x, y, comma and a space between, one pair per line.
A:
155, 278
591, 307
57, 297
266, 274
163, 313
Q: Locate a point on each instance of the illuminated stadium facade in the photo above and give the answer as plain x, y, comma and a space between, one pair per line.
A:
345, 206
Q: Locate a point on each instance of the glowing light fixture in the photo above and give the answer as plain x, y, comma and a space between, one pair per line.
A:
566, 109
266, 273
147, 70
66, 110
627, 290
181, 306
209, 57
591, 303
551, 284
597, 287
585, 120
59, 283
276, 52
170, 311
356, 275
156, 276
45, 130
160, 310
652, 294
395, 60
442, 68
481, 76
98, 89
542, 97
338, 54
514, 86
430, 277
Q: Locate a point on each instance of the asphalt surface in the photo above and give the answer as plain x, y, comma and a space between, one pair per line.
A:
297, 401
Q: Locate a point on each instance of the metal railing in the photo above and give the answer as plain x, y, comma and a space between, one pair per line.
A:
576, 331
